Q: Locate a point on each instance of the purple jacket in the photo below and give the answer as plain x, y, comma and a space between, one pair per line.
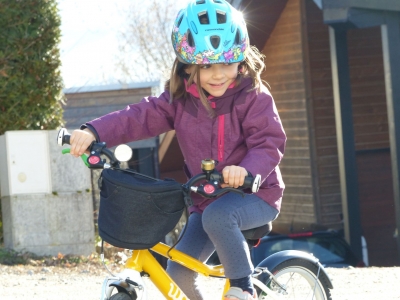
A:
246, 132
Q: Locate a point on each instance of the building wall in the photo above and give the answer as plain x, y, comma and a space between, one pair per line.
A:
323, 118
370, 133
372, 145
299, 73
173, 163
368, 89
285, 75
85, 106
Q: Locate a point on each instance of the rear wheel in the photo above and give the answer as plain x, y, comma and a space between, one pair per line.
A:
120, 296
296, 279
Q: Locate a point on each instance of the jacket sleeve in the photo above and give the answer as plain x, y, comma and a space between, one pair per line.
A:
264, 135
148, 118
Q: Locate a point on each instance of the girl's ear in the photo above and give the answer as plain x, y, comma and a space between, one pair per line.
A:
183, 70
188, 70
241, 68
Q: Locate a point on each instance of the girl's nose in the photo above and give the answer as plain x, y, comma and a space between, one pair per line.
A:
217, 71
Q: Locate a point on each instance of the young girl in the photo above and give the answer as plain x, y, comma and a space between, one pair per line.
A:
219, 108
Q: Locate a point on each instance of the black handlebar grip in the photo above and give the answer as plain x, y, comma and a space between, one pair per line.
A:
248, 182
252, 182
66, 139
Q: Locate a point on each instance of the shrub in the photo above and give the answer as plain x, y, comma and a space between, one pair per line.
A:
30, 80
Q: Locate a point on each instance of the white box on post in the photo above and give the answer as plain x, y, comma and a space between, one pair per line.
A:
24, 163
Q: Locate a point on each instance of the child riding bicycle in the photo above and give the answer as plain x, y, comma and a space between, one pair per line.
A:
217, 104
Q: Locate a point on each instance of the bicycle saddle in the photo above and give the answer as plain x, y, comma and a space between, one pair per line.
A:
258, 232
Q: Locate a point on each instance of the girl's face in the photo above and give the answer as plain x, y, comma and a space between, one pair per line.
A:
216, 78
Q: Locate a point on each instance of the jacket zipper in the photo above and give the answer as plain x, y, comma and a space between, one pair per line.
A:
221, 127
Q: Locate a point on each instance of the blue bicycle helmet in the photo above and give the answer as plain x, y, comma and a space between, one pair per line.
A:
209, 32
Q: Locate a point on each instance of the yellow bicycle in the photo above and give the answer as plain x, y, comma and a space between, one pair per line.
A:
287, 274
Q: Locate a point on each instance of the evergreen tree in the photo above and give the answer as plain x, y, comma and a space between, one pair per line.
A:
30, 80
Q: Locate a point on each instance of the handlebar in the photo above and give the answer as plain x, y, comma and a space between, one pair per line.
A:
209, 181
94, 160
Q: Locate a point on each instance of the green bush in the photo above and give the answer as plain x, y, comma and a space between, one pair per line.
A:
30, 80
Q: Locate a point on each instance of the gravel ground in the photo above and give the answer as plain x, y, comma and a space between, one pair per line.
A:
83, 281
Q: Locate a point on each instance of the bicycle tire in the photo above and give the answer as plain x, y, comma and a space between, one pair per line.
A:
120, 296
298, 277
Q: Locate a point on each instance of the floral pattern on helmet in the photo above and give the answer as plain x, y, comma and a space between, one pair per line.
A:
187, 53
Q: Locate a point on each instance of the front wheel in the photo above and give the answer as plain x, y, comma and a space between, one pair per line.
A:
297, 279
120, 296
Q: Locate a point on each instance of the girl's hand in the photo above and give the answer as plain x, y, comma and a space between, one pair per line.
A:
80, 141
233, 176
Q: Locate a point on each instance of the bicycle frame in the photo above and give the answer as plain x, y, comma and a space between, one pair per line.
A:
143, 261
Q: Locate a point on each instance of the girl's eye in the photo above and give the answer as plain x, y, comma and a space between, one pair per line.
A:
227, 64
205, 66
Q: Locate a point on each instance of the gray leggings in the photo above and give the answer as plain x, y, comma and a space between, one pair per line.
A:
219, 228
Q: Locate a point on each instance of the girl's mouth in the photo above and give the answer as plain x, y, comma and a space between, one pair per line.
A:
217, 85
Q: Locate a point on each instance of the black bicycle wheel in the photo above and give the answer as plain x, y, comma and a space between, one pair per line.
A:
296, 279
121, 296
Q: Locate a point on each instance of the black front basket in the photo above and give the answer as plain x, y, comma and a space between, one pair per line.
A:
136, 211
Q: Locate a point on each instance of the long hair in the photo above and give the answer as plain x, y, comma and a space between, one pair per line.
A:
251, 67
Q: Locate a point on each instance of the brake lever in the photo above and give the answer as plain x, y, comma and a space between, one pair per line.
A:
231, 189
212, 190
83, 156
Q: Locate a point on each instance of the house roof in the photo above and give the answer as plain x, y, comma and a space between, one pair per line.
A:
112, 87
356, 13
393, 5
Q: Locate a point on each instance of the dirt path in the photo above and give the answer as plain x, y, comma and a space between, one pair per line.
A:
84, 282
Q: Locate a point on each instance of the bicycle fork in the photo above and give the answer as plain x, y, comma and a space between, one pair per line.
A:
128, 281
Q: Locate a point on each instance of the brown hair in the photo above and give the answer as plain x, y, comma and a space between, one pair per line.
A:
252, 66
